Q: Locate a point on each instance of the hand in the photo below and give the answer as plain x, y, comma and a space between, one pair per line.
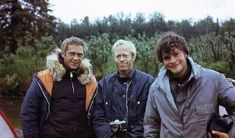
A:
219, 134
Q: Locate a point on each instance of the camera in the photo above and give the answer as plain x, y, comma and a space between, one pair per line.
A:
118, 125
219, 123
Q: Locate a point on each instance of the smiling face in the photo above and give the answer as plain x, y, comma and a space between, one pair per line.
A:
73, 56
176, 62
124, 60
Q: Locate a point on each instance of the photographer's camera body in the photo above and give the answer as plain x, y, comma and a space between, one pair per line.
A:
219, 123
118, 125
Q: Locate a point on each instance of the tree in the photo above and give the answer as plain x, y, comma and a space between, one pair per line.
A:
156, 24
138, 24
21, 16
228, 25
205, 26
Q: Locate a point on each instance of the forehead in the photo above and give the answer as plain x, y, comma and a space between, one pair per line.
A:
75, 48
122, 50
171, 51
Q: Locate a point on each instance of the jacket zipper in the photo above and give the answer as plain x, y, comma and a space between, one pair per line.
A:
127, 110
71, 79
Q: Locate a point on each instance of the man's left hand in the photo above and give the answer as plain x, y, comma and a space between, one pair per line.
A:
220, 134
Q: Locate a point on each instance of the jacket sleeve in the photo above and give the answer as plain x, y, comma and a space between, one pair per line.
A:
227, 99
30, 111
100, 124
151, 119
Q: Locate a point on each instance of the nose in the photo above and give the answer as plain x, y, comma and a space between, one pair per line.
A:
172, 59
121, 58
76, 57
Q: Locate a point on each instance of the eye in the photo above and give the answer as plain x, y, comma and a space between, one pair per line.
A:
80, 55
176, 54
118, 56
166, 57
125, 56
72, 53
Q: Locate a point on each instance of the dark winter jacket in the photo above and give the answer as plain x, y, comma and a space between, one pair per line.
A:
36, 106
122, 99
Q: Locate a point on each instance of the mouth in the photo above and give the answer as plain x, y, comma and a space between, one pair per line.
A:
172, 66
74, 64
122, 65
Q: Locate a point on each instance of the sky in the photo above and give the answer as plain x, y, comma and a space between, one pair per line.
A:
176, 10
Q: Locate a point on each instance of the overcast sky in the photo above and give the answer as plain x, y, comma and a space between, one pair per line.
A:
176, 10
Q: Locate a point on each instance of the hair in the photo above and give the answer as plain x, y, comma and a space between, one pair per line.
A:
128, 44
168, 41
73, 41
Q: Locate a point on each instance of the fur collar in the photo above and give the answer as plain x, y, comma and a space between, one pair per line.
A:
58, 71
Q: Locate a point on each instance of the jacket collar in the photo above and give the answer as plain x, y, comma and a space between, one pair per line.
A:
163, 78
57, 69
125, 79
162, 81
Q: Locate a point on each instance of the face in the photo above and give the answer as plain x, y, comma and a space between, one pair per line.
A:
73, 56
124, 60
176, 62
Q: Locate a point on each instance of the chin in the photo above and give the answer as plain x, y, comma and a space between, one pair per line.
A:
73, 68
122, 69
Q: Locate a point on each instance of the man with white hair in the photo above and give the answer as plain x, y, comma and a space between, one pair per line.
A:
120, 100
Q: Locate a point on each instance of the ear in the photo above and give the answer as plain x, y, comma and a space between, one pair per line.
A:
133, 58
62, 54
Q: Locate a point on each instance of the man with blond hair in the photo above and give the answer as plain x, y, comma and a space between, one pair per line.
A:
121, 96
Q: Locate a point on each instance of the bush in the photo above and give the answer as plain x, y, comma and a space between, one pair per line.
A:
17, 69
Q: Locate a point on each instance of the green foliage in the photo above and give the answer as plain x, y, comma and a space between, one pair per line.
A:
17, 18
208, 48
17, 69
220, 66
110, 66
145, 59
99, 52
215, 51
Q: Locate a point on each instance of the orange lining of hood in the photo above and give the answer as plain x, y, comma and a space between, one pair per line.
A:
46, 77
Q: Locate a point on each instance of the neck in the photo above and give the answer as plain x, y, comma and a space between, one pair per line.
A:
123, 74
181, 78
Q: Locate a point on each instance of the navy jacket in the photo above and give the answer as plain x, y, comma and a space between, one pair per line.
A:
120, 99
36, 106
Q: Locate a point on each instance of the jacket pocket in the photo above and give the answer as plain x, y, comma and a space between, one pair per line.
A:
205, 109
202, 115
199, 120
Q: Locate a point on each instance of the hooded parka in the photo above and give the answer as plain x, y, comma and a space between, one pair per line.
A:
205, 90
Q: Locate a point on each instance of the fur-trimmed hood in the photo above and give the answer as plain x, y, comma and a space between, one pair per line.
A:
58, 71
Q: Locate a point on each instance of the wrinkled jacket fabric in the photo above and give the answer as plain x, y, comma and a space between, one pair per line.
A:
207, 89
110, 103
35, 108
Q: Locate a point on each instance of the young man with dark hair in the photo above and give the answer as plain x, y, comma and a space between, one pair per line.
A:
185, 96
